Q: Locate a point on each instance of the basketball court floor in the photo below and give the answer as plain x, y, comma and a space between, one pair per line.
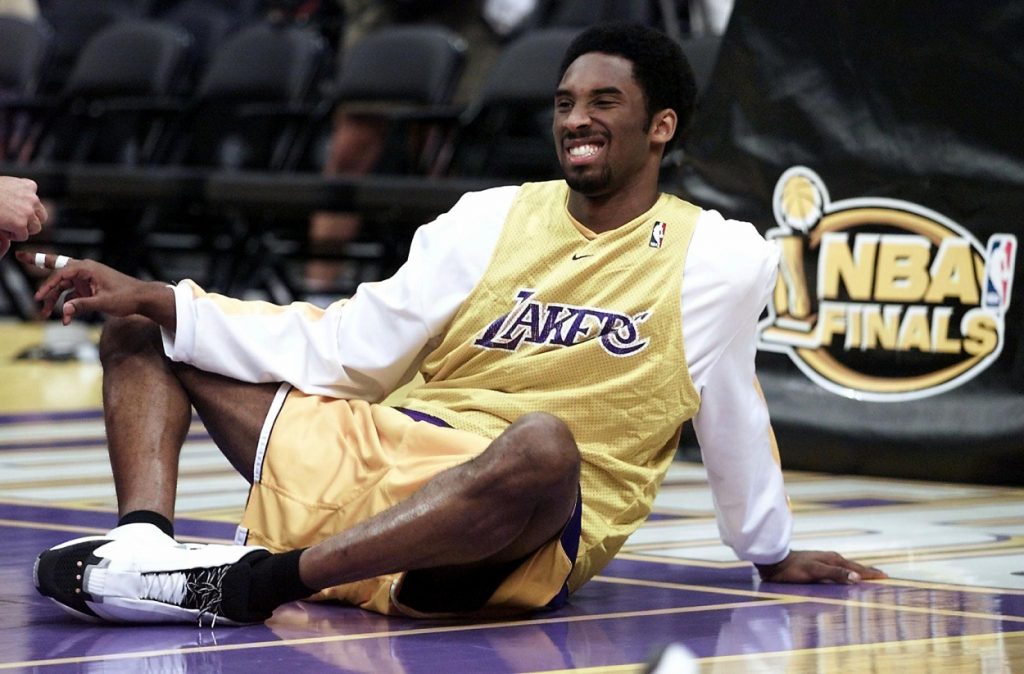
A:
954, 602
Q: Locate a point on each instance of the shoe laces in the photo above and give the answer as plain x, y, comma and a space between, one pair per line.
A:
197, 589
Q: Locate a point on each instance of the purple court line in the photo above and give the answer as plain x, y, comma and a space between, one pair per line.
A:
861, 502
102, 519
36, 417
70, 415
87, 442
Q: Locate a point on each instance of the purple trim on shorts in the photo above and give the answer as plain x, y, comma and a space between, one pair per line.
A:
570, 541
423, 416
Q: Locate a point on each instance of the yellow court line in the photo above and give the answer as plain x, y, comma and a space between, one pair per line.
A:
306, 641
760, 657
703, 588
851, 603
71, 480
862, 647
94, 530
1011, 545
703, 542
988, 522
953, 587
811, 477
90, 505
677, 561
96, 504
10, 500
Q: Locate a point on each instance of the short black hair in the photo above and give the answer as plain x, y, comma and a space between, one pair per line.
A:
659, 66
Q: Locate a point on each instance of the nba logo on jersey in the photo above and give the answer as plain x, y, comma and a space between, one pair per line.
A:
999, 264
657, 234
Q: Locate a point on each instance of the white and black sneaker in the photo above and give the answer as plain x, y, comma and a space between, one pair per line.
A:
138, 574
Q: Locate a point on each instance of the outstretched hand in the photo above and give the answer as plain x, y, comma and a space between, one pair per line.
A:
97, 287
813, 566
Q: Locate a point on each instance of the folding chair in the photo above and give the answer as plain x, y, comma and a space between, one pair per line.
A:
25, 47
74, 22
507, 131
406, 74
209, 22
107, 113
251, 106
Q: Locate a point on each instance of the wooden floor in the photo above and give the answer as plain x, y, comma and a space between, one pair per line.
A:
955, 602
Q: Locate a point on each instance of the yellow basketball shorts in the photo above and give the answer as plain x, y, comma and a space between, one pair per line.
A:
325, 464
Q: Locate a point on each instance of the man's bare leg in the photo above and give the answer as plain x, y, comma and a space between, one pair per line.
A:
499, 507
147, 404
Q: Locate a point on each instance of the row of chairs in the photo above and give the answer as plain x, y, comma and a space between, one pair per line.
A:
69, 24
132, 154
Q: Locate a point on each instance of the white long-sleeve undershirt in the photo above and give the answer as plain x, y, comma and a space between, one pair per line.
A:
367, 346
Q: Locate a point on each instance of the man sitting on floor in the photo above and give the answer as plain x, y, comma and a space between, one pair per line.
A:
564, 330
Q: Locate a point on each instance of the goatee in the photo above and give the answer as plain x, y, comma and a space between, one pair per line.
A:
589, 185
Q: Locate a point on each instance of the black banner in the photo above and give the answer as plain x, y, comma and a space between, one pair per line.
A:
880, 143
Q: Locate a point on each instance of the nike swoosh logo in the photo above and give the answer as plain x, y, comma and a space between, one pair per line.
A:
580, 257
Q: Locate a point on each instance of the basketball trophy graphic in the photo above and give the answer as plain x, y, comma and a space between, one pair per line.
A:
798, 207
882, 299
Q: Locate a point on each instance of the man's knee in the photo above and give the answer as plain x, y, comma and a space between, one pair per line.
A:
541, 448
129, 336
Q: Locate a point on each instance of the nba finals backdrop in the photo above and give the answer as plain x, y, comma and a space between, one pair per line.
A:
880, 145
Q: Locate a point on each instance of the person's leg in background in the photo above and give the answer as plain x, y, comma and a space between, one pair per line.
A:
356, 145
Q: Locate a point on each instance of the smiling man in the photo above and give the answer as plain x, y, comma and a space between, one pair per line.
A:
564, 330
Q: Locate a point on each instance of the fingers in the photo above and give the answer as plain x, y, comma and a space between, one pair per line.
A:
64, 278
819, 567
865, 572
44, 260
822, 571
51, 290
41, 216
73, 307
847, 572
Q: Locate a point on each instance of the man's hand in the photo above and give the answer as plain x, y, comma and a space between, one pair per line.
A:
97, 287
812, 566
22, 214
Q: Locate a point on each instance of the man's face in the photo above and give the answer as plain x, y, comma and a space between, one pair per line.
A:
600, 124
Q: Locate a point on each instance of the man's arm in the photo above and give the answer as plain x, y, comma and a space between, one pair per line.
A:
753, 513
733, 425
22, 214
361, 348
98, 288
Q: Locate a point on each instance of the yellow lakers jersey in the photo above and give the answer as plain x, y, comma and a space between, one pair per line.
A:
588, 328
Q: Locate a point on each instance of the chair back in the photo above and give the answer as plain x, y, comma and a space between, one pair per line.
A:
135, 58
254, 99
24, 48
417, 65
507, 130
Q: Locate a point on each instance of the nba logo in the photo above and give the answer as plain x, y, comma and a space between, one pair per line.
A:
657, 234
999, 265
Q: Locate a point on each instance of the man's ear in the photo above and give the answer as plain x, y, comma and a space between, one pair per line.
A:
663, 125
